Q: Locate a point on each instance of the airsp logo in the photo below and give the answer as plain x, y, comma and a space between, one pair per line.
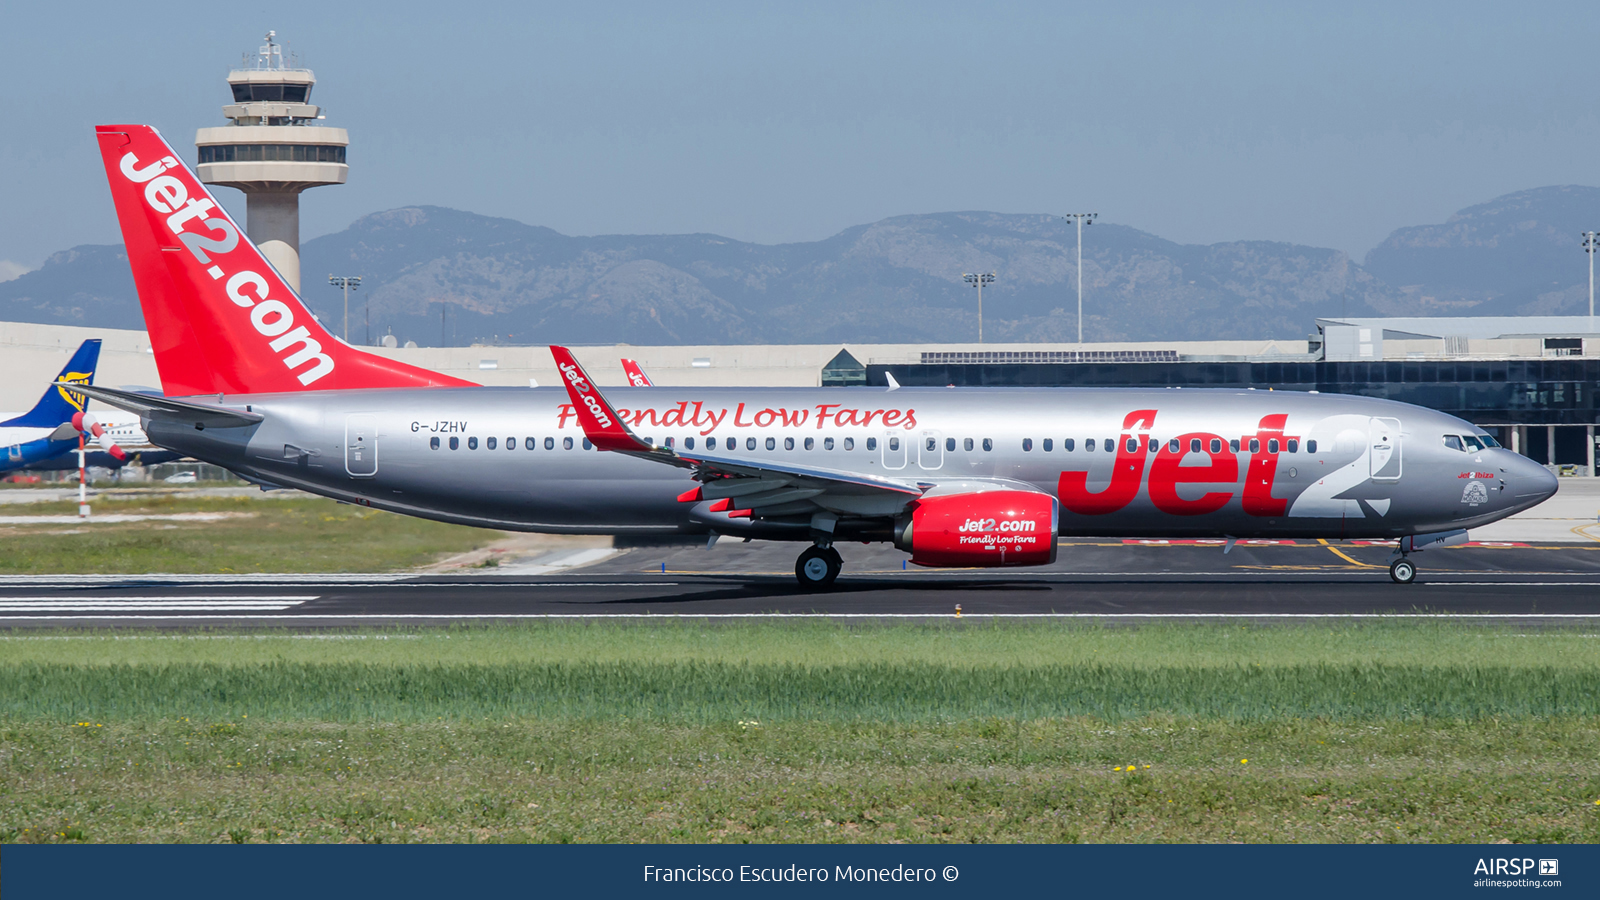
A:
1475, 493
76, 399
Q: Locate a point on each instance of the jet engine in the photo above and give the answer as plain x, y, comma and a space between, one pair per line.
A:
984, 528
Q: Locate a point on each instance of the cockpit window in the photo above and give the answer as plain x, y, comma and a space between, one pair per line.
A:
1488, 441
1453, 442
1473, 443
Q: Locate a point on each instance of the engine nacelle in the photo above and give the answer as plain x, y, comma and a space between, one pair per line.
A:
983, 528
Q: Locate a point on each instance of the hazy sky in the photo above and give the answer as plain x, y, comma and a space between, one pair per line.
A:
1326, 124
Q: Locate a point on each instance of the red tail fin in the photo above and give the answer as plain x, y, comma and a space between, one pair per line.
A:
220, 318
636, 375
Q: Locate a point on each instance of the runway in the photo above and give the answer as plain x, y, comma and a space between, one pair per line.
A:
1093, 579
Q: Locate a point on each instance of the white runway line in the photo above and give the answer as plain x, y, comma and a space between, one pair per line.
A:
310, 617
151, 604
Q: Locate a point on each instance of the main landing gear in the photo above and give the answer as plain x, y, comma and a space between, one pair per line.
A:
818, 567
1403, 571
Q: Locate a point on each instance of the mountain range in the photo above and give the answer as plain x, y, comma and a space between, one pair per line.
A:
435, 275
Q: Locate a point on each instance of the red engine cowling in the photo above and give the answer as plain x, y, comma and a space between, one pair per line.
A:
985, 528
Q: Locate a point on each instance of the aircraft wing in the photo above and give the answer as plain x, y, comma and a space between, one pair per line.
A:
755, 482
166, 408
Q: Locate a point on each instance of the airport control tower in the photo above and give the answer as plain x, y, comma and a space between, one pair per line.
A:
273, 150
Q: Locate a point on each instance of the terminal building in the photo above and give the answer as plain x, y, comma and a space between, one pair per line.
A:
1530, 381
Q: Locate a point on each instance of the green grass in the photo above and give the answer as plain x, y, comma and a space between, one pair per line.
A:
260, 535
805, 731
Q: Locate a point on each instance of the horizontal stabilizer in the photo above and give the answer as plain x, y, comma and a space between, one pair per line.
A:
165, 408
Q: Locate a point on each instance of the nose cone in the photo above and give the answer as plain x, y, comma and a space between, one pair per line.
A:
1530, 482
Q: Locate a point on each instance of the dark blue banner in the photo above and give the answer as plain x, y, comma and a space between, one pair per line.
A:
343, 872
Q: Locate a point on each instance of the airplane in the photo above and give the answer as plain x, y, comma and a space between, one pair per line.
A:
636, 375
48, 430
972, 477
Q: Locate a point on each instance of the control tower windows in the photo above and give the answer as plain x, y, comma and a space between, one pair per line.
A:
219, 153
271, 93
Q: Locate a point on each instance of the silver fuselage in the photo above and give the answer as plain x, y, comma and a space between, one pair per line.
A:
1380, 468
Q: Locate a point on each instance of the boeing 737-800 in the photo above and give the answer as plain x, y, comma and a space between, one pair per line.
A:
954, 477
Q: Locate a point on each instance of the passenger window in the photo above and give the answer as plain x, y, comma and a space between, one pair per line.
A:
688, 443
433, 443
750, 443
1255, 445
1111, 445
894, 443
950, 444
472, 443
1047, 445
490, 444
1066, 444
1216, 445
827, 443
988, 444
669, 442
549, 443
711, 443
1133, 445
587, 445
932, 444
772, 443
1173, 446
1234, 445
1294, 446
455, 443
1311, 446
849, 443
511, 443
811, 443
1151, 444
788, 443
966, 444
649, 440
1272, 445
1194, 445
872, 443
1027, 444
566, 443
1088, 445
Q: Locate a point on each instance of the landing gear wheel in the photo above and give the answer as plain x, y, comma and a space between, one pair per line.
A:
1403, 571
817, 568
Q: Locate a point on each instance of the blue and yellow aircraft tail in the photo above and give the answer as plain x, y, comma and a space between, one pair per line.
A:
59, 403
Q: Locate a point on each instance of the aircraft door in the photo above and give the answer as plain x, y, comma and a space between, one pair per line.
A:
361, 445
16, 452
894, 451
1384, 438
930, 450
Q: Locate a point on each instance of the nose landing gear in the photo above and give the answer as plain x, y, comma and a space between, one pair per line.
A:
1403, 571
817, 567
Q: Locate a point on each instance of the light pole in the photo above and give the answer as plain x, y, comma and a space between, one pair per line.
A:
1591, 241
1082, 219
978, 281
349, 283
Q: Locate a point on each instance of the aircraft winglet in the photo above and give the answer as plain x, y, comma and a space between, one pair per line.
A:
636, 375
601, 424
